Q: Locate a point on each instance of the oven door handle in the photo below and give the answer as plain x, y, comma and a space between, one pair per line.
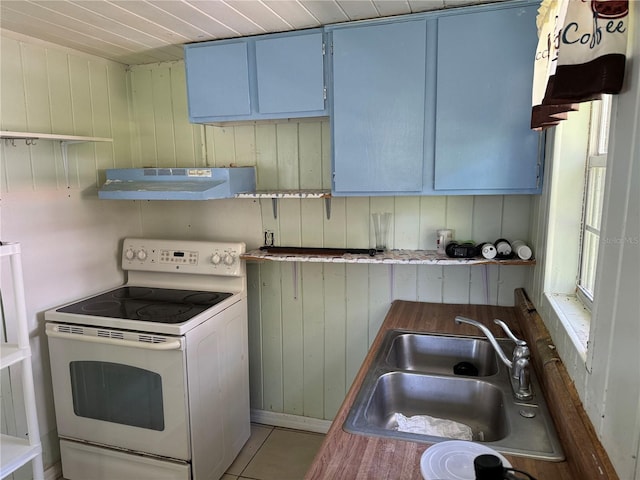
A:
173, 344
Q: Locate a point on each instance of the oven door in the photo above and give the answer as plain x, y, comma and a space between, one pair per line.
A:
122, 389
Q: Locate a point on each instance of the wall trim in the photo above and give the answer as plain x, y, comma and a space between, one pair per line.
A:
54, 472
296, 422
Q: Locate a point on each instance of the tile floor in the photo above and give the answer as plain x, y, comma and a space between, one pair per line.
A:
274, 453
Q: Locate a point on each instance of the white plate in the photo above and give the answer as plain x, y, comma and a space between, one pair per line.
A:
453, 460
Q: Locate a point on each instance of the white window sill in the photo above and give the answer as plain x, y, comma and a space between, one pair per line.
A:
575, 318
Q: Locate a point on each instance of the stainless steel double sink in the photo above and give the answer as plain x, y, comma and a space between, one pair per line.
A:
456, 378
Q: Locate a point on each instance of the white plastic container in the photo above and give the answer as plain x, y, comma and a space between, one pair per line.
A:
521, 249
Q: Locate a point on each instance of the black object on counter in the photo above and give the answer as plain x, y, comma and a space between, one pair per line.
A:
461, 250
465, 368
319, 251
488, 467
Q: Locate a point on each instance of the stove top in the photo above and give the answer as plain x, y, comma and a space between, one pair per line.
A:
147, 304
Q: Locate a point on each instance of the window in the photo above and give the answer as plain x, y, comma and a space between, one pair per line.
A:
593, 198
567, 229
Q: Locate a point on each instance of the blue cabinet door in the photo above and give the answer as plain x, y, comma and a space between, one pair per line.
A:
257, 78
217, 80
483, 142
378, 113
290, 73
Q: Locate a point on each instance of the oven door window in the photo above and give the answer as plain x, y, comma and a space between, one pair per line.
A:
117, 393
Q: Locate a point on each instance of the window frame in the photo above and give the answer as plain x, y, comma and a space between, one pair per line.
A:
593, 186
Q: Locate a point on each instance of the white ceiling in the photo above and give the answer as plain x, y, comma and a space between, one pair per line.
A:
137, 32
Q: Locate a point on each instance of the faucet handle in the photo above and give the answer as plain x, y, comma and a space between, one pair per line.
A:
520, 343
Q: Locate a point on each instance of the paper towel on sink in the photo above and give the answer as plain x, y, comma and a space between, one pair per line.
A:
438, 427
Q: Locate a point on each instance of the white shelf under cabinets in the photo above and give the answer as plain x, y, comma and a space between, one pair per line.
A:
276, 195
401, 257
18, 451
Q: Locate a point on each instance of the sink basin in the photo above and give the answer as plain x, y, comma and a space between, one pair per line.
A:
471, 402
440, 354
412, 373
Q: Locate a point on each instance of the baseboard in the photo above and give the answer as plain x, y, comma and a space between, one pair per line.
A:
54, 472
285, 420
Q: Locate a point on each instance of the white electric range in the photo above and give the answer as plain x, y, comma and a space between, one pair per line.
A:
150, 378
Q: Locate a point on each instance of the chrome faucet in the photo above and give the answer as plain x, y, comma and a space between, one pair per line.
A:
518, 365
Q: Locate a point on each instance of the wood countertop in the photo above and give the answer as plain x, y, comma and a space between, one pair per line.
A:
349, 456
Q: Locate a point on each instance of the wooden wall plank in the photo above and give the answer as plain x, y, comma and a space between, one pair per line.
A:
335, 228
357, 318
487, 218
122, 135
326, 155
357, 223
335, 338
101, 119
429, 283
245, 146
314, 338
287, 151
266, 157
187, 136
380, 299
34, 64
289, 221
460, 217
292, 340
271, 309
145, 146
456, 281
254, 302
13, 99
310, 158
406, 222
163, 115
405, 282
516, 217
433, 217
312, 224
223, 145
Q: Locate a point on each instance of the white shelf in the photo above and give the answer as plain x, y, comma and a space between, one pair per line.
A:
286, 194
11, 354
15, 453
9, 249
50, 136
403, 257
276, 195
65, 141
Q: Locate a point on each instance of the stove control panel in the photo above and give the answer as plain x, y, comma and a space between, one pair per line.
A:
183, 256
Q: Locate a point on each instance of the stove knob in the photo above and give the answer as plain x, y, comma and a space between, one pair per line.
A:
229, 259
142, 255
129, 254
215, 259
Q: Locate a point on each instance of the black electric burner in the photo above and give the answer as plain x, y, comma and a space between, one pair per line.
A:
160, 305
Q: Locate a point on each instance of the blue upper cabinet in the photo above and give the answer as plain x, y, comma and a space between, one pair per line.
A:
378, 107
290, 74
436, 103
483, 140
256, 78
218, 80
